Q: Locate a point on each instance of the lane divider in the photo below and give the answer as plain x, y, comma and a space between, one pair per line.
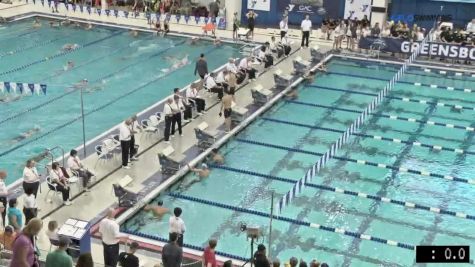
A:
404, 99
297, 222
429, 86
91, 111
445, 72
59, 54
392, 117
190, 246
376, 137
91, 82
21, 49
402, 203
390, 167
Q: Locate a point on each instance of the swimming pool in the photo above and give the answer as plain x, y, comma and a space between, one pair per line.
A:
125, 75
417, 140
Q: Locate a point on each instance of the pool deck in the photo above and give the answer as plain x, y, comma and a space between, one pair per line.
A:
146, 172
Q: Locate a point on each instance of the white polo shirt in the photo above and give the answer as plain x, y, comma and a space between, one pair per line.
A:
124, 132
220, 78
109, 230
284, 27
3, 189
231, 67
176, 225
30, 175
167, 109
191, 93
306, 25
74, 163
243, 64
209, 82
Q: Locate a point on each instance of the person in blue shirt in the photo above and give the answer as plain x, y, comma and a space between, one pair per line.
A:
15, 216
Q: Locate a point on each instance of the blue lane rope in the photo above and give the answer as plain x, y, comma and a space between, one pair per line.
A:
431, 86
22, 49
198, 248
91, 111
384, 166
404, 99
376, 137
96, 80
297, 222
392, 117
402, 203
59, 54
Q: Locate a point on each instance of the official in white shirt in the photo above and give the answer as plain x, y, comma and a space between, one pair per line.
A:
220, 80
213, 86
471, 26
177, 107
306, 29
110, 233
231, 66
177, 225
3, 194
124, 137
30, 209
245, 66
75, 165
192, 93
168, 113
134, 128
284, 27
31, 178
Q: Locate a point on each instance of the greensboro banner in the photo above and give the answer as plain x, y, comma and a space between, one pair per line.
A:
394, 45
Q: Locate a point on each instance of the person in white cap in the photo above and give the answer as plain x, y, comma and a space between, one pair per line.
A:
202, 172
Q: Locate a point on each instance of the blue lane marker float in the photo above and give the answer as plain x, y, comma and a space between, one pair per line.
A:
297, 222
388, 116
404, 99
59, 54
384, 166
432, 86
190, 246
377, 137
402, 203
21, 49
92, 111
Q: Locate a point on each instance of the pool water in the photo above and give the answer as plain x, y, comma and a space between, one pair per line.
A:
125, 75
254, 150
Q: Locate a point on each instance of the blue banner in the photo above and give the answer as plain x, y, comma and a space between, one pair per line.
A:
396, 45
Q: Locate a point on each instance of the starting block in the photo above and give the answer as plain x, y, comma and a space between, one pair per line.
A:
169, 161
301, 65
282, 80
260, 95
205, 137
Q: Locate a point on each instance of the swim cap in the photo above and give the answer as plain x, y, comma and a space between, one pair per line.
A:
204, 165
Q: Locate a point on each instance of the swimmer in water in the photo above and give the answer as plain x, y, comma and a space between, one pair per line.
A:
322, 68
52, 25
88, 27
134, 33
202, 173
157, 210
194, 40
216, 158
37, 23
217, 42
26, 134
69, 47
65, 22
69, 66
8, 99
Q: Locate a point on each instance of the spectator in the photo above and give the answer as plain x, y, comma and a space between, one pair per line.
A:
284, 27
3, 195
59, 257
201, 66
85, 260
293, 262
276, 263
15, 217
251, 22
209, 257
192, 94
376, 31
24, 246
168, 113
75, 164
228, 263
125, 136
30, 209
52, 231
128, 259
177, 226
302, 263
109, 230
314, 263
306, 26
7, 237
235, 26
61, 182
31, 178
172, 253
260, 258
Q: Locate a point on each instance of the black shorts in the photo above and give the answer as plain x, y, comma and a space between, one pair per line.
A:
227, 113
251, 27
231, 90
235, 27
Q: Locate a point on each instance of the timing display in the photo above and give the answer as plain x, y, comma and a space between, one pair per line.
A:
442, 254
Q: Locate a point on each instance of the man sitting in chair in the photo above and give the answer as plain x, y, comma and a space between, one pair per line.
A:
212, 86
76, 166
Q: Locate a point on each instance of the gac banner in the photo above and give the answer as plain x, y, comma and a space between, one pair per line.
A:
357, 9
262, 5
394, 45
302, 6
